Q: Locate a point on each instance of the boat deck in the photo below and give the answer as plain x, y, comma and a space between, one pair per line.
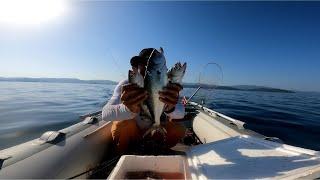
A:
245, 150
181, 148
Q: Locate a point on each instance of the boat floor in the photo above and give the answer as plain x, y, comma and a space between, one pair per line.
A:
105, 168
190, 139
103, 171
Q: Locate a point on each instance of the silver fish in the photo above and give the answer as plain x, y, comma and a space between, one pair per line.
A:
177, 72
137, 78
156, 78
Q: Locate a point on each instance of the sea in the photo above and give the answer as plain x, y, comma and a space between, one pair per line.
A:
28, 109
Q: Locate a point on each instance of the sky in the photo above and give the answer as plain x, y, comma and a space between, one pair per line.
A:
275, 44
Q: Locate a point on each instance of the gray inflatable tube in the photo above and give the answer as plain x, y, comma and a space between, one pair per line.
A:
59, 154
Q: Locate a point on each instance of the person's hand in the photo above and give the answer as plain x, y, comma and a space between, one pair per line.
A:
132, 96
170, 95
184, 101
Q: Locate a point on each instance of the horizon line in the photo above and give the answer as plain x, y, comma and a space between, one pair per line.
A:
118, 81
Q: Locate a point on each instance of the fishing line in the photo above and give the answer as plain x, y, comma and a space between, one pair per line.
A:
201, 78
116, 64
148, 63
206, 65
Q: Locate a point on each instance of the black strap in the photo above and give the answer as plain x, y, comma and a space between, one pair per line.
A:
98, 167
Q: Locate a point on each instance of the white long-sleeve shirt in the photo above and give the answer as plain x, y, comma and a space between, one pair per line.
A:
115, 110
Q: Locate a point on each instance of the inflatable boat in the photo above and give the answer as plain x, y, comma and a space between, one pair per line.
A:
215, 147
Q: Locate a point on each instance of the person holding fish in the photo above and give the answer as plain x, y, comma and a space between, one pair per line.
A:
140, 102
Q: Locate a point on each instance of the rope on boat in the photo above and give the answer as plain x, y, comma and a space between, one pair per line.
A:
98, 168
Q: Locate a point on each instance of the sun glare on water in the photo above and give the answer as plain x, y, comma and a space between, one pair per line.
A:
26, 12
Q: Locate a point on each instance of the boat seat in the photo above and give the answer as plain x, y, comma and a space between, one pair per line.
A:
247, 157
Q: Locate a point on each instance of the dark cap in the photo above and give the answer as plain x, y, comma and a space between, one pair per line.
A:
136, 60
142, 58
145, 53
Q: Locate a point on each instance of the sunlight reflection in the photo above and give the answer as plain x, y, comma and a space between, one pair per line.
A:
31, 11
307, 159
264, 153
212, 158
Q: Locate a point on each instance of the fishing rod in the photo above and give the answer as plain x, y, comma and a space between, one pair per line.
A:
195, 92
199, 80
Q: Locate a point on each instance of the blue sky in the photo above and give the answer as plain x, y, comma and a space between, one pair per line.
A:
274, 44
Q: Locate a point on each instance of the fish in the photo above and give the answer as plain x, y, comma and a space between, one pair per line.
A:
156, 78
176, 73
138, 79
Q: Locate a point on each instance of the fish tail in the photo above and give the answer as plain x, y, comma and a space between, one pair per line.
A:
155, 129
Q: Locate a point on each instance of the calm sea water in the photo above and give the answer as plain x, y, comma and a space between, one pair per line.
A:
29, 109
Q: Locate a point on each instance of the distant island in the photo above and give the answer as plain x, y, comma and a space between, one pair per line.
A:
109, 82
57, 80
238, 88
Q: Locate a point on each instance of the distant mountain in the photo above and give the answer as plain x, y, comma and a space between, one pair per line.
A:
238, 88
187, 85
57, 80
261, 88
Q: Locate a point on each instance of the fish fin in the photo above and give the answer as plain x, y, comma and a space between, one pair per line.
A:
145, 111
136, 78
161, 130
176, 73
161, 50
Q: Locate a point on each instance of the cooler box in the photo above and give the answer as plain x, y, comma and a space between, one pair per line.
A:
156, 167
